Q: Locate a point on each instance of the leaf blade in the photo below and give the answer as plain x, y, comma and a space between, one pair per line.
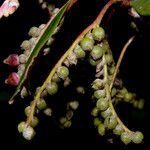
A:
47, 33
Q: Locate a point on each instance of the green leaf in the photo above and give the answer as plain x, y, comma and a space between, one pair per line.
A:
141, 6
48, 32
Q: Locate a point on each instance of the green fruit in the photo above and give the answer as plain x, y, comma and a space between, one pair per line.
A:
67, 124
34, 32
102, 104
55, 78
108, 58
118, 130
123, 91
63, 120
98, 83
95, 112
63, 72
27, 110
93, 62
137, 137
135, 103
106, 113
52, 88
26, 45
128, 97
113, 92
79, 53
34, 122
96, 52
87, 44
126, 137
98, 33
101, 129
97, 122
105, 46
80, 90
21, 126
140, 104
112, 70
41, 104
99, 94
28, 133
110, 122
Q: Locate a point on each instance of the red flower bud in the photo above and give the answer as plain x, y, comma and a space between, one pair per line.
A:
13, 79
12, 60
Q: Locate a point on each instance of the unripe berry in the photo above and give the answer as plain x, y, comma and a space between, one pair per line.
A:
137, 137
22, 58
87, 44
63, 72
102, 104
67, 124
74, 104
118, 130
108, 58
21, 126
48, 112
93, 62
98, 33
28, 133
80, 90
27, 110
101, 129
95, 112
79, 52
97, 122
140, 104
126, 137
52, 88
34, 122
106, 113
128, 97
99, 94
110, 122
96, 52
41, 104
34, 32
26, 45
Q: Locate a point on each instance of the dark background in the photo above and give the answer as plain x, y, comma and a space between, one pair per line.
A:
134, 71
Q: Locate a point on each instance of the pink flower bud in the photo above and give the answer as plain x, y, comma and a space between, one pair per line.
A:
12, 60
13, 79
8, 7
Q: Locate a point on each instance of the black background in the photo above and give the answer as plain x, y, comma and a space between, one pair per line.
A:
134, 71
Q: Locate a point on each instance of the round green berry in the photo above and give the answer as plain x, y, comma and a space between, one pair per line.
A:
101, 129
87, 44
34, 122
41, 104
63, 120
118, 130
96, 52
28, 133
55, 78
97, 122
105, 46
52, 88
102, 104
106, 113
26, 45
110, 122
140, 104
128, 97
21, 126
108, 58
79, 53
126, 137
63, 72
123, 91
113, 92
112, 70
98, 33
27, 110
93, 62
67, 124
137, 137
99, 94
80, 90
34, 32
95, 112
